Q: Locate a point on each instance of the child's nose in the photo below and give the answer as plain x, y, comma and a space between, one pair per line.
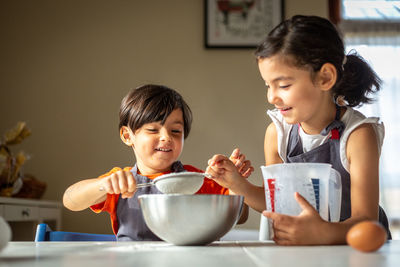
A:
272, 96
165, 136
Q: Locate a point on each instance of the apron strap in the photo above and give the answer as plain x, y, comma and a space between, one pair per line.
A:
335, 127
335, 135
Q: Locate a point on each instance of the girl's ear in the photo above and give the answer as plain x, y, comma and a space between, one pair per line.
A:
327, 76
126, 137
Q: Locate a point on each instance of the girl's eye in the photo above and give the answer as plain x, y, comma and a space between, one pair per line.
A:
151, 130
284, 86
176, 131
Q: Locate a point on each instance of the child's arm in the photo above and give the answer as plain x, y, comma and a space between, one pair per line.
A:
245, 169
228, 177
363, 155
255, 194
86, 193
271, 146
308, 228
226, 174
244, 166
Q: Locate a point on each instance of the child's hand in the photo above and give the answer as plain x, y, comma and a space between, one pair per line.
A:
224, 171
120, 182
244, 166
304, 229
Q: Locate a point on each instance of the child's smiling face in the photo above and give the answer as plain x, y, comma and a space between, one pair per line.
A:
291, 90
157, 146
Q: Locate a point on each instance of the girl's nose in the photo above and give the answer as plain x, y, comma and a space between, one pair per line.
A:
272, 97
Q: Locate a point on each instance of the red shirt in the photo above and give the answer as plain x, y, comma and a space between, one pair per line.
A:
111, 202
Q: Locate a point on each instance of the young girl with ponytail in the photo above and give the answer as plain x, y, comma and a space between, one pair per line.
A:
314, 86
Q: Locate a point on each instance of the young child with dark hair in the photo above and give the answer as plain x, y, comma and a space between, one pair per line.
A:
154, 121
314, 86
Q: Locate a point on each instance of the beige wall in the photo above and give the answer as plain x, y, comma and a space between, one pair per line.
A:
65, 66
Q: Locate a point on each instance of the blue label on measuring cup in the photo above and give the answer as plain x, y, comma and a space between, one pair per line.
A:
315, 183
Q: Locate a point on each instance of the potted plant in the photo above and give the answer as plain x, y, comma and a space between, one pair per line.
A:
12, 180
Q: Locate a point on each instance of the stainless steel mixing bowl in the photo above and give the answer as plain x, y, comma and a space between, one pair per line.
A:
190, 219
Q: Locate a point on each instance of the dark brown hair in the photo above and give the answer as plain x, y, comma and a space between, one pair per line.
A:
310, 42
152, 103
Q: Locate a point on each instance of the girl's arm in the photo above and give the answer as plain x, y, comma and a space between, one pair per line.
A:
271, 146
244, 166
225, 173
86, 193
245, 169
363, 155
227, 176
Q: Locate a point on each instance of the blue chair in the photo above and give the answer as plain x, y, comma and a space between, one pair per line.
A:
44, 233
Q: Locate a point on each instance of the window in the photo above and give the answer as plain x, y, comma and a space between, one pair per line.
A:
380, 10
372, 28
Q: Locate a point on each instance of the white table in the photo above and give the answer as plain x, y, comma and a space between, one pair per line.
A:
221, 254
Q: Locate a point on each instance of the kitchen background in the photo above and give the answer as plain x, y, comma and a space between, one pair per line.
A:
65, 66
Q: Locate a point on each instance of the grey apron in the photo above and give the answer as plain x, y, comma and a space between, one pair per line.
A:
131, 224
329, 152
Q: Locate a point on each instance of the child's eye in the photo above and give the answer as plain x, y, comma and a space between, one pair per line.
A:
152, 130
176, 131
284, 86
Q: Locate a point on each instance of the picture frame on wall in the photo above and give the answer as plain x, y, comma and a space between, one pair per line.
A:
240, 23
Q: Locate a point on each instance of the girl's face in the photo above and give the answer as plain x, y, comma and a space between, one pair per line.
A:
291, 90
157, 146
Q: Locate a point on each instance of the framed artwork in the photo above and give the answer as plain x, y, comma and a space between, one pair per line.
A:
240, 23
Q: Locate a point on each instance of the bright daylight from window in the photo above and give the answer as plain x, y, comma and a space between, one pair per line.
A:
372, 10
380, 46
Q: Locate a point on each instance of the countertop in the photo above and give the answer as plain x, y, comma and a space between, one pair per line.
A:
221, 254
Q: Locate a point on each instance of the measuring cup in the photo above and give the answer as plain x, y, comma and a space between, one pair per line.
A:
318, 183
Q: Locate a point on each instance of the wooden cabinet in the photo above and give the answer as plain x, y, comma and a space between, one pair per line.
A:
23, 215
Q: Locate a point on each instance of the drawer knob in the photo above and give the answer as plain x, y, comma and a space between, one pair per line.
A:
26, 212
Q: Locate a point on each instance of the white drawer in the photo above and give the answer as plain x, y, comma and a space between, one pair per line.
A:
20, 213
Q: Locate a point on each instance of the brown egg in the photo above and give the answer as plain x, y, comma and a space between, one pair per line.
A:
366, 236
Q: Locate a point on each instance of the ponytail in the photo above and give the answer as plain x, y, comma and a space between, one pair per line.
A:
358, 81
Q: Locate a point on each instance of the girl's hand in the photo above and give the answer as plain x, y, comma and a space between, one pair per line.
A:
244, 166
224, 171
120, 182
304, 229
